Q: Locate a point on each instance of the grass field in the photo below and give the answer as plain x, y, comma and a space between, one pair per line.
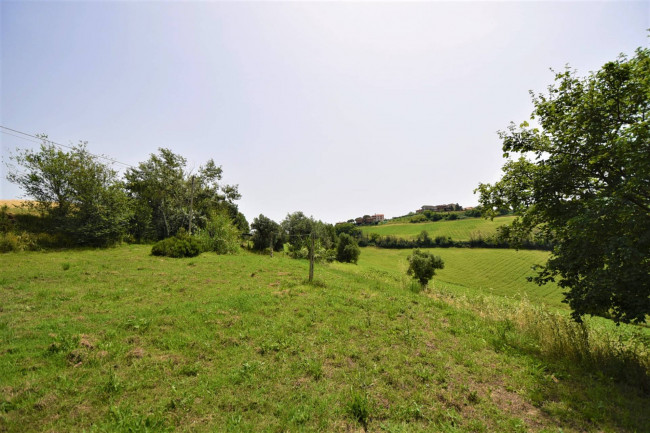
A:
119, 341
490, 271
458, 230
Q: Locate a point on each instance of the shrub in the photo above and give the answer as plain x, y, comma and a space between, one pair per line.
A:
9, 242
347, 250
423, 265
219, 235
181, 245
6, 220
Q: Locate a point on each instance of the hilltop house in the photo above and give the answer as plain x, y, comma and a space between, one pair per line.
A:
440, 208
368, 219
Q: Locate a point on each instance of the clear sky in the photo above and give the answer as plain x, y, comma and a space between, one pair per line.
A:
337, 109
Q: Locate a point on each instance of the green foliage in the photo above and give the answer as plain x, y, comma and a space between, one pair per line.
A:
349, 229
266, 234
359, 408
582, 180
9, 242
219, 235
423, 265
181, 245
168, 197
79, 196
6, 220
347, 249
297, 229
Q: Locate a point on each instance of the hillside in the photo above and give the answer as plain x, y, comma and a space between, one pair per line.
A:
458, 230
490, 271
118, 340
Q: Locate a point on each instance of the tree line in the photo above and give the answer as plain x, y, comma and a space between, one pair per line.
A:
81, 201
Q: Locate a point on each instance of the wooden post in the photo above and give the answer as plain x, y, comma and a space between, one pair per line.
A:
191, 205
271, 246
311, 260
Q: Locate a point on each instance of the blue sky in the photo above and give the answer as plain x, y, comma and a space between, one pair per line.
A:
337, 109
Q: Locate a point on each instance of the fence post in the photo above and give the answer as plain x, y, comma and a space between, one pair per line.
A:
311, 259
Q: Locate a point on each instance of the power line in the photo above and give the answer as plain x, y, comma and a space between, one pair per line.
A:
23, 136
18, 136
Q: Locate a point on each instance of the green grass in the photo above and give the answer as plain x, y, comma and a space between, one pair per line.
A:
117, 340
489, 271
458, 230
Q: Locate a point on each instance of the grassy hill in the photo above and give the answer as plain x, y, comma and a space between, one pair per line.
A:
490, 271
458, 230
118, 340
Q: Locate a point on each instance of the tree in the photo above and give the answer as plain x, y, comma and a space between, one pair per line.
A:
347, 250
348, 228
423, 239
79, 196
423, 265
169, 197
297, 229
266, 234
582, 180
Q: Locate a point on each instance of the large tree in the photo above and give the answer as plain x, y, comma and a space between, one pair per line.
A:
581, 177
266, 234
78, 195
168, 196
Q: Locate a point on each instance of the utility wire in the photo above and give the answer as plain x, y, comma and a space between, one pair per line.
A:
23, 136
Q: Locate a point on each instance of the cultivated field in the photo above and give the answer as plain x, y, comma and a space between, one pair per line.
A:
118, 340
458, 230
15, 206
488, 271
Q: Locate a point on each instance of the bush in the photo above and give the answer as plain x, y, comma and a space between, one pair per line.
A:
9, 242
181, 245
423, 265
347, 250
220, 235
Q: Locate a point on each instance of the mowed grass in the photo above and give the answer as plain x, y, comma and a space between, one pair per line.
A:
458, 230
482, 270
117, 340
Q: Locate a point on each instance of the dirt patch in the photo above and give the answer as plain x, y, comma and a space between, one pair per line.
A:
514, 404
86, 342
45, 402
281, 293
136, 353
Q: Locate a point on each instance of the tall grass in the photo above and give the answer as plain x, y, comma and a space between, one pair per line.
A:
619, 353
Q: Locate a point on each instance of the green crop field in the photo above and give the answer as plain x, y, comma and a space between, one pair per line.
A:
458, 230
119, 341
491, 271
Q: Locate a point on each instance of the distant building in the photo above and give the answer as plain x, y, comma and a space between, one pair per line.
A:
370, 219
440, 208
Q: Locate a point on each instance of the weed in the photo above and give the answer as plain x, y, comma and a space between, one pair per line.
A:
64, 343
113, 384
137, 325
65, 266
473, 397
125, 420
190, 370
314, 368
359, 408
